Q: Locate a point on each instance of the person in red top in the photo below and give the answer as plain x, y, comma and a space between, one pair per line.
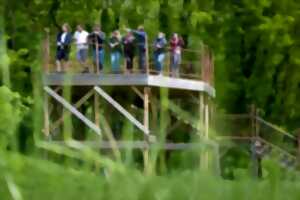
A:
176, 44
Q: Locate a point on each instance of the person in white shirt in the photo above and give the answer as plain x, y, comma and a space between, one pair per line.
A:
81, 40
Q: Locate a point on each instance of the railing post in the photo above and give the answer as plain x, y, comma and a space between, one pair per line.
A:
204, 64
46, 51
207, 65
253, 120
147, 55
97, 55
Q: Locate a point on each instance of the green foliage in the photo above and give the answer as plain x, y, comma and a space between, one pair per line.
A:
256, 43
12, 111
256, 50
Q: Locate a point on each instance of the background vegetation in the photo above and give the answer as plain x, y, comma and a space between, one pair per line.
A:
257, 49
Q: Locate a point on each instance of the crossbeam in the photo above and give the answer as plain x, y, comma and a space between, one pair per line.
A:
132, 145
122, 110
73, 110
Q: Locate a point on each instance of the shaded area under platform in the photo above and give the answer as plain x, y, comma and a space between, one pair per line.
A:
59, 79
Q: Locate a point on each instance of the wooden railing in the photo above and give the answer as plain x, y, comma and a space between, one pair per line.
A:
196, 64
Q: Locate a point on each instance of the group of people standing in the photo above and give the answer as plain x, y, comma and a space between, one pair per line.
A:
132, 43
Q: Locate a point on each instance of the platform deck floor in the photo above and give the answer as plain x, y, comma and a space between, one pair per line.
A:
59, 79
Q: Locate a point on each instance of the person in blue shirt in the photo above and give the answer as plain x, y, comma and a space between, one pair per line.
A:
141, 39
159, 52
63, 43
97, 40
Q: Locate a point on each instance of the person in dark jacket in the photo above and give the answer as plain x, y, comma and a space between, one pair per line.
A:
115, 44
141, 39
63, 42
97, 40
129, 50
159, 52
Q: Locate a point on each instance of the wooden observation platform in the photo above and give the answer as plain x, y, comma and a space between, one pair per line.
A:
194, 84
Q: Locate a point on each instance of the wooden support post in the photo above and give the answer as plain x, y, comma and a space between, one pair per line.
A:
204, 123
201, 113
256, 123
146, 125
252, 118
206, 132
46, 116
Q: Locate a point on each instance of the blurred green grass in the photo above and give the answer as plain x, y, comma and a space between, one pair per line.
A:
37, 179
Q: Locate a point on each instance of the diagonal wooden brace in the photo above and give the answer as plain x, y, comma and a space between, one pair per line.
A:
76, 105
73, 110
122, 110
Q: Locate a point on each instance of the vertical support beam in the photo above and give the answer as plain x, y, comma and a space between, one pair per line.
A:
252, 118
97, 55
146, 125
206, 131
201, 113
256, 123
46, 116
204, 123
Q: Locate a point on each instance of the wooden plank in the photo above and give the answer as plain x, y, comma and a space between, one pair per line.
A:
73, 110
131, 145
96, 110
122, 110
91, 79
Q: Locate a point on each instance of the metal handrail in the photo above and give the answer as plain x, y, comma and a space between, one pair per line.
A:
275, 128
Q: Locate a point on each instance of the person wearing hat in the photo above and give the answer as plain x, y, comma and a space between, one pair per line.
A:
159, 51
141, 39
129, 50
97, 40
115, 44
